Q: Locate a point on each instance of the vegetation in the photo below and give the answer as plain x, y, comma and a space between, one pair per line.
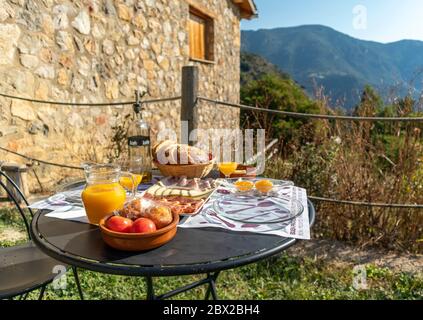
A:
282, 277
119, 142
253, 67
360, 161
274, 92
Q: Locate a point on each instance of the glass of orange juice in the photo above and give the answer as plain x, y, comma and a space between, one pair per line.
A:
103, 193
227, 168
136, 169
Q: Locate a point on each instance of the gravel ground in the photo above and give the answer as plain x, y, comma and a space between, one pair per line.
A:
341, 253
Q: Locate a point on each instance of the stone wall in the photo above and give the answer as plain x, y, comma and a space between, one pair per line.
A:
101, 51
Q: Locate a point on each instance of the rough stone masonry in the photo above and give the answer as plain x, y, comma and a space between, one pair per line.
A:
101, 51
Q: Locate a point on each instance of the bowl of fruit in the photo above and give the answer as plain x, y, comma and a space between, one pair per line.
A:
133, 229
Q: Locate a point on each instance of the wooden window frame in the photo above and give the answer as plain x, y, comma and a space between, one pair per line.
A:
209, 37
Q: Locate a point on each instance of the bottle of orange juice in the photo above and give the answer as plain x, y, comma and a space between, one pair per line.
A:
103, 193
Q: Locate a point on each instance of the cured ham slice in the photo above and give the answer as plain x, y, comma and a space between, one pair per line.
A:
180, 205
189, 184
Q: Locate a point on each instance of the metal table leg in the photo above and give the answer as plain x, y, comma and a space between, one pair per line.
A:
211, 290
78, 283
212, 286
150, 289
42, 290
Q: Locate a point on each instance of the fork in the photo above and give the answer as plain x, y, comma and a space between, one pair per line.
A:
214, 215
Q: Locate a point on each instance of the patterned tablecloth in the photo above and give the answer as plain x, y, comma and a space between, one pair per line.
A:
68, 205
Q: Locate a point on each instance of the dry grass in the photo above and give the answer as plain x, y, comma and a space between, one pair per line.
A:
11, 234
360, 161
350, 168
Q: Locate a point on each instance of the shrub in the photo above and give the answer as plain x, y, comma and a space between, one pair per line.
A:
360, 161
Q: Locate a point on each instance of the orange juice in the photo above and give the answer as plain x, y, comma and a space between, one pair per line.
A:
127, 181
227, 168
100, 200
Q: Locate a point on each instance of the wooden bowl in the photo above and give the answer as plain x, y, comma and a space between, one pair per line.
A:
138, 241
190, 171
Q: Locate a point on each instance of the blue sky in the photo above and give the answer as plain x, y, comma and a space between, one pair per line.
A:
378, 20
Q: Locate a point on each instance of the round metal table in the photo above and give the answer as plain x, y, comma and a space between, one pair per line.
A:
192, 251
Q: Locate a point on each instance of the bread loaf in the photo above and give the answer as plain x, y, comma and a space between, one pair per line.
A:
170, 152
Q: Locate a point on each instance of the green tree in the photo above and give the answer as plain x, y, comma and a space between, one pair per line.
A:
274, 92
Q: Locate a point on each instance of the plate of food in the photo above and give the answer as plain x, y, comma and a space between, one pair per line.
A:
182, 195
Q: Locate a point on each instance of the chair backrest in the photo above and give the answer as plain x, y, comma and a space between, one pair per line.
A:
12, 197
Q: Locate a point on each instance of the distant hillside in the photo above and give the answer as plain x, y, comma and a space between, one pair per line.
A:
254, 66
317, 55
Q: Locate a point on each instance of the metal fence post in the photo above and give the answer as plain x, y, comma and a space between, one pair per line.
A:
188, 104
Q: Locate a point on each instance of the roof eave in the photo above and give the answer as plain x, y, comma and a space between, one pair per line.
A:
247, 8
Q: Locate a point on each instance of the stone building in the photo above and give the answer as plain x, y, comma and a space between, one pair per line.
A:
101, 51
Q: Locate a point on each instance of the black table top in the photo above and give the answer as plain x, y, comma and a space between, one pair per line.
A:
192, 251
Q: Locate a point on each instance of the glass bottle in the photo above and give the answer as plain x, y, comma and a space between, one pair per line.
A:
139, 145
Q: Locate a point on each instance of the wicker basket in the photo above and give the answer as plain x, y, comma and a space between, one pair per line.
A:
190, 171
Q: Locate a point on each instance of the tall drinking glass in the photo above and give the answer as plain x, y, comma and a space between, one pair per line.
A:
136, 168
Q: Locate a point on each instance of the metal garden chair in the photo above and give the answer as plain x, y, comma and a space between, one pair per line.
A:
24, 268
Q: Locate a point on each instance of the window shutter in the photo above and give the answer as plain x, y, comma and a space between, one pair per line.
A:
197, 37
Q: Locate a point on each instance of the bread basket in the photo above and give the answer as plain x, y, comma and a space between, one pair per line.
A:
197, 164
190, 170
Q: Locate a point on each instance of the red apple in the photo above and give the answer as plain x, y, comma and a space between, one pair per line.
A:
119, 224
143, 225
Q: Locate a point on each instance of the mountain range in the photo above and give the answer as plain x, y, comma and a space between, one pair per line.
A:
318, 56
253, 67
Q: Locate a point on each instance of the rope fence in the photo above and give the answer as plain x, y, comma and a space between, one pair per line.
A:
87, 104
368, 204
34, 160
242, 107
319, 199
223, 103
313, 116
